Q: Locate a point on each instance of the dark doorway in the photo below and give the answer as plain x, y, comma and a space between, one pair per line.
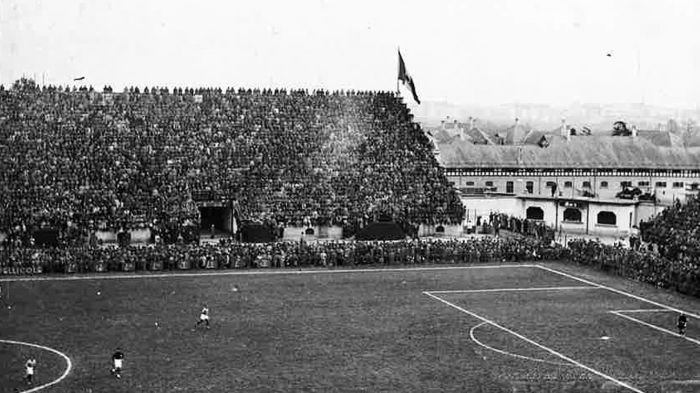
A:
534, 213
572, 215
219, 217
46, 237
257, 233
607, 218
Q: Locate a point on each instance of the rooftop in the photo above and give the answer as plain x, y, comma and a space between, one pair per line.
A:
579, 152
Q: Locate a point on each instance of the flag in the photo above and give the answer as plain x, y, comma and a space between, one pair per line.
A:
406, 79
79, 78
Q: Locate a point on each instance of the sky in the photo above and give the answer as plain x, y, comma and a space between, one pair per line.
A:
463, 52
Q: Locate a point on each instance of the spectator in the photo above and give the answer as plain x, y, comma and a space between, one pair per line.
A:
80, 160
282, 254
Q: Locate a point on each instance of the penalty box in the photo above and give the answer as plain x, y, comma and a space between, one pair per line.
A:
624, 338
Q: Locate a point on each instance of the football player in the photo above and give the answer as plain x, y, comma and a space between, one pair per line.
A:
682, 324
117, 363
203, 317
29, 370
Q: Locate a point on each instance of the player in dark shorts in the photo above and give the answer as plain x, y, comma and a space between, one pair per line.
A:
682, 324
117, 360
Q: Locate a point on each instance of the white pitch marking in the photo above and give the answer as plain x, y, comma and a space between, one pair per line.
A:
692, 340
643, 310
512, 289
69, 364
471, 335
108, 276
686, 382
618, 291
520, 336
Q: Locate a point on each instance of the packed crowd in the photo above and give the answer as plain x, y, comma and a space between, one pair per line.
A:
527, 227
281, 254
78, 160
82, 159
642, 265
675, 232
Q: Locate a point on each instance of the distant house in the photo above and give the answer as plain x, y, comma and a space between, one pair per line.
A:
542, 139
477, 135
454, 131
515, 134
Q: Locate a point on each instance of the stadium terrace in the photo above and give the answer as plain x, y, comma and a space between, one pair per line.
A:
78, 161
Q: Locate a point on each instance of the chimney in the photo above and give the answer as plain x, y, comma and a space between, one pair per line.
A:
563, 131
634, 131
442, 125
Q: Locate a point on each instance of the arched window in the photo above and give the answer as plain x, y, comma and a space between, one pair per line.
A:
309, 231
572, 215
607, 218
440, 229
534, 213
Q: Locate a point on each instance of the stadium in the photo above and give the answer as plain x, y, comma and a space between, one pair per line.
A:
321, 238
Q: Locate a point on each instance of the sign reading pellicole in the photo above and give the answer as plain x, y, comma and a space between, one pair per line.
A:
20, 270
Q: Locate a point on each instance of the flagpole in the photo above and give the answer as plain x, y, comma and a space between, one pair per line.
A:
398, 51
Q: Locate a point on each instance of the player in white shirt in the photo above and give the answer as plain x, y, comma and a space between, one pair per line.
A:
117, 363
203, 317
29, 370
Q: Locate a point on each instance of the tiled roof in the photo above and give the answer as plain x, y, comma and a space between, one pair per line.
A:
579, 152
515, 134
661, 138
479, 137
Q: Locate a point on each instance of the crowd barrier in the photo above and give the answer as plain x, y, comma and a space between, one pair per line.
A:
643, 266
274, 255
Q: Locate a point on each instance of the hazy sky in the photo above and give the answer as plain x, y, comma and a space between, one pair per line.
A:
491, 51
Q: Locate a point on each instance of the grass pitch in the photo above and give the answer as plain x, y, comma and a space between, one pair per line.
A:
357, 331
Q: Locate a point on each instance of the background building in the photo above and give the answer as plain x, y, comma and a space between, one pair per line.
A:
592, 184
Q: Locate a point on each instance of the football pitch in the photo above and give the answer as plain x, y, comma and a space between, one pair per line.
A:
479, 328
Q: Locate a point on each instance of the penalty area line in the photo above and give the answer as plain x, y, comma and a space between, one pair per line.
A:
639, 321
513, 289
535, 343
621, 292
69, 364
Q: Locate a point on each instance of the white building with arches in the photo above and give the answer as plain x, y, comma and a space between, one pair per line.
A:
594, 185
